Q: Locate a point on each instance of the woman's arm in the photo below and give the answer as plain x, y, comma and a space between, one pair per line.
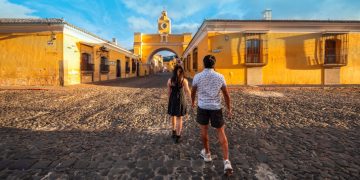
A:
187, 88
169, 88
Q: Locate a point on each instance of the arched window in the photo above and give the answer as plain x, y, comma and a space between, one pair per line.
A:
86, 62
104, 65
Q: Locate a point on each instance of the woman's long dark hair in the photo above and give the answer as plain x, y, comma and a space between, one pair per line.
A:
176, 79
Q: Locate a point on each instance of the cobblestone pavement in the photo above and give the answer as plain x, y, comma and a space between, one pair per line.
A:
120, 130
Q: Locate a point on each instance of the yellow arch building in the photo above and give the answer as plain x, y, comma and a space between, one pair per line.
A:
147, 45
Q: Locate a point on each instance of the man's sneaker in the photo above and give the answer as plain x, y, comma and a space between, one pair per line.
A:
207, 157
228, 170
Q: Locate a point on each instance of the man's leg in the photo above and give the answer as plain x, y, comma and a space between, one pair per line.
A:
179, 126
205, 137
223, 141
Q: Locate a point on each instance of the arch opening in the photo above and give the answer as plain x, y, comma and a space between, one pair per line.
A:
162, 60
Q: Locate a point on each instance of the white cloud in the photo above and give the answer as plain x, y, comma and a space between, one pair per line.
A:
177, 10
334, 9
144, 7
139, 24
321, 10
11, 10
185, 27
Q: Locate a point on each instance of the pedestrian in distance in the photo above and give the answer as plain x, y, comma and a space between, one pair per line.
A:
177, 86
208, 84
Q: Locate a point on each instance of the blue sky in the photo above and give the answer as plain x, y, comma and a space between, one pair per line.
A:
121, 18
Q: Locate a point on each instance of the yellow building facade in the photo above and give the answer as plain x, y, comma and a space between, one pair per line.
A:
49, 52
261, 52
147, 45
170, 65
156, 64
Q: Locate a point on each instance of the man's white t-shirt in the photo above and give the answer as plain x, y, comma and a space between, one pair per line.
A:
209, 84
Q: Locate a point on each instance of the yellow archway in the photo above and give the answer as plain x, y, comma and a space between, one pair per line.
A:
147, 45
149, 57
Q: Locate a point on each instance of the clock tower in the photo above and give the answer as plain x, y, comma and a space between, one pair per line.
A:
164, 23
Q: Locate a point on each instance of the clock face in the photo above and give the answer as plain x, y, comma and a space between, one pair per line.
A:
163, 26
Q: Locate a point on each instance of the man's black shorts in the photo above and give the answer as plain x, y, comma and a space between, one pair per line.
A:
215, 117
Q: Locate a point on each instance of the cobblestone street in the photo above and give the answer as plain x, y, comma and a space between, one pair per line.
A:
120, 130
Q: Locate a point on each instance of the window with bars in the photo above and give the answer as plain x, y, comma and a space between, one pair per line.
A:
331, 51
86, 62
104, 65
256, 50
253, 51
334, 49
195, 59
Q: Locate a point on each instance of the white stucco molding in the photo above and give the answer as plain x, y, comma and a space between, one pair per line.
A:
87, 38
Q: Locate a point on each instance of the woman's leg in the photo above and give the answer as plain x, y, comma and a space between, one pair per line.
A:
173, 121
179, 125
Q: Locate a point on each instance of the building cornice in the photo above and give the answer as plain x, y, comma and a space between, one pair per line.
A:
162, 34
93, 39
28, 25
271, 26
162, 44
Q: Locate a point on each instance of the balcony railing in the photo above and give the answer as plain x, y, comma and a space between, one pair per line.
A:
87, 68
335, 60
255, 60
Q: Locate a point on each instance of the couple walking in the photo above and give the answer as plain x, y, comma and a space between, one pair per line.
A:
208, 85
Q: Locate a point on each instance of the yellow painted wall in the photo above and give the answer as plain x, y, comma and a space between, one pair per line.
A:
115, 55
350, 74
151, 38
27, 59
144, 69
72, 59
293, 58
72, 73
229, 61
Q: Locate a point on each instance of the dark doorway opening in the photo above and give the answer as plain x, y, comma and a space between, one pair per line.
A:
138, 69
118, 68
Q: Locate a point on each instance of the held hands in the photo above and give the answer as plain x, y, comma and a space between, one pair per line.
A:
229, 113
193, 104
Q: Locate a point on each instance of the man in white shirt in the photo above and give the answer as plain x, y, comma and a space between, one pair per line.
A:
208, 84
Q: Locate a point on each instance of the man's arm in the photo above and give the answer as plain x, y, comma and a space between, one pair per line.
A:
227, 99
193, 94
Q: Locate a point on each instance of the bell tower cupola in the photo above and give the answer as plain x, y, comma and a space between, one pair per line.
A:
164, 23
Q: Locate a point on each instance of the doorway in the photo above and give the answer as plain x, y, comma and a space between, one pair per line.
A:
138, 69
118, 68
